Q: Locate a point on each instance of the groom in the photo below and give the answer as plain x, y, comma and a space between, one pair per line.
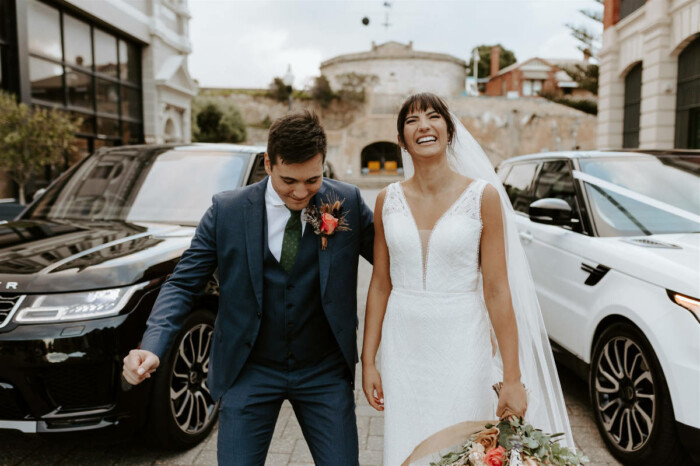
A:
287, 320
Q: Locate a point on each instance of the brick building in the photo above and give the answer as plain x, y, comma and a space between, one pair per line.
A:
532, 77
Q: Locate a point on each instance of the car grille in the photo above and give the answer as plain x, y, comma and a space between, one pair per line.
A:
7, 302
82, 386
12, 408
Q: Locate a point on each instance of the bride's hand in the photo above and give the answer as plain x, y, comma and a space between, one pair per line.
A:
372, 386
512, 401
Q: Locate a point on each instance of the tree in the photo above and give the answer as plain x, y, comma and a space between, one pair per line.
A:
279, 91
353, 85
507, 58
589, 39
31, 139
321, 91
587, 75
217, 120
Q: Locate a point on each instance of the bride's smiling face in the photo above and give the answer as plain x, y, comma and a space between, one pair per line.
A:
425, 133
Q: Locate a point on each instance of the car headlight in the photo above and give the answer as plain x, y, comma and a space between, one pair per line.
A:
75, 306
692, 304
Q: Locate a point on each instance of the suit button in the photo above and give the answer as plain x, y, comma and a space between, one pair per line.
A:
259, 314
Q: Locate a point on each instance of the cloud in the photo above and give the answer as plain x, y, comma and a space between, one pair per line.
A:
246, 43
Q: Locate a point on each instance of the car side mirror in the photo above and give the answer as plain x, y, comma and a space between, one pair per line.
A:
550, 211
38, 193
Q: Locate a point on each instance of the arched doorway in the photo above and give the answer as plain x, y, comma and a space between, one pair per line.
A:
381, 157
688, 97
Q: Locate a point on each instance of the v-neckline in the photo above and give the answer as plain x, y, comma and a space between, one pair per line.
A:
425, 255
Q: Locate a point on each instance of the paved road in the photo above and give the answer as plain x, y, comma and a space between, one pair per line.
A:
288, 446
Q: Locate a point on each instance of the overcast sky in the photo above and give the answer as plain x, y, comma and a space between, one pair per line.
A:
246, 43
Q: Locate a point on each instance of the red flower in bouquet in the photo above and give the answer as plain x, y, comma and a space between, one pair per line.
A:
495, 457
329, 224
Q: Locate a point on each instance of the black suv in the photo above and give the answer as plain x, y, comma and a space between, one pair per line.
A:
80, 269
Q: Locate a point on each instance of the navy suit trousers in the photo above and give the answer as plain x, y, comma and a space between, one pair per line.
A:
322, 398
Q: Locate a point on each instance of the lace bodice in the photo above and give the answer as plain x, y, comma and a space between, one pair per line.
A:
451, 262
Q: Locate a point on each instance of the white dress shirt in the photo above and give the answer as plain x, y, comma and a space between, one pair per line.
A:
277, 217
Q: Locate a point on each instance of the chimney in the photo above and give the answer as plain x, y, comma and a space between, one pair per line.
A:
495, 59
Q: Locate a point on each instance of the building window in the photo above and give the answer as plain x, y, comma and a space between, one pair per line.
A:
633, 102
90, 72
688, 97
627, 7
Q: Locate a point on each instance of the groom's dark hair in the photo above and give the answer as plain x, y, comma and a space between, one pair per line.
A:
296, 138
421, 102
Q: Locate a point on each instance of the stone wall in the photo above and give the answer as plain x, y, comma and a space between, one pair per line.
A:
504, 127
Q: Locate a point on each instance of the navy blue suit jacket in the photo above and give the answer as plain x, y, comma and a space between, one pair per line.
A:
230, 237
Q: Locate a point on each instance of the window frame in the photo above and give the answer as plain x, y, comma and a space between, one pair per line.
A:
92, 112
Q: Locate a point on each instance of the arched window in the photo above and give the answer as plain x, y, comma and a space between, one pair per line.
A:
688, 97
381, 157
633, 103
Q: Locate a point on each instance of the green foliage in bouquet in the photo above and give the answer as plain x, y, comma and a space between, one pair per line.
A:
495, 445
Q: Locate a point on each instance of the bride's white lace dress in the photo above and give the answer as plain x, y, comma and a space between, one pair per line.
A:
437, 358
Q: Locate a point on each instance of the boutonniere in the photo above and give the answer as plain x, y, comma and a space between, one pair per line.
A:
327, 219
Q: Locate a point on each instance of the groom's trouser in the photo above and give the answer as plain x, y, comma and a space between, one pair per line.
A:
323, 401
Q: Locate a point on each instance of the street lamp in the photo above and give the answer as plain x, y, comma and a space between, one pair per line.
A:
288, 81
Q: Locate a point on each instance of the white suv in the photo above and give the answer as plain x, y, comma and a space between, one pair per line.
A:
613, 241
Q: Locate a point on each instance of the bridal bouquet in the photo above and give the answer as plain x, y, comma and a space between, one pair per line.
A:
511, 442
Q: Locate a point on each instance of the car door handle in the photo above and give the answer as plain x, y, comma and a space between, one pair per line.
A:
526, 236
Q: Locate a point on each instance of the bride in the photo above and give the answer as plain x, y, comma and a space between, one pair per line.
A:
451, 297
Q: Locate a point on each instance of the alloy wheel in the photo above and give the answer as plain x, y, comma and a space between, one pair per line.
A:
191, 403
625, 394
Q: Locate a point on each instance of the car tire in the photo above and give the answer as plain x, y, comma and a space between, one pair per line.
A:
630, 399
182, 412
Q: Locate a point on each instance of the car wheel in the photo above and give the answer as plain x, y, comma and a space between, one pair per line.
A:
630, 399
183, 411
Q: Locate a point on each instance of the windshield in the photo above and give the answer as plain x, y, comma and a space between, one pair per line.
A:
643, 195
143, 185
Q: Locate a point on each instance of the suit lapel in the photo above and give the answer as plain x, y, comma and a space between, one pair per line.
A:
254, 235
324, 257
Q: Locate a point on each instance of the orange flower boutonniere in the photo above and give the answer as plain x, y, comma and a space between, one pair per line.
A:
328, 218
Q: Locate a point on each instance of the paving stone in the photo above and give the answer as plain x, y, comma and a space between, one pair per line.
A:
375, 442
282, 445
301, 453
376, 426
370, 458
205, 458
276, 459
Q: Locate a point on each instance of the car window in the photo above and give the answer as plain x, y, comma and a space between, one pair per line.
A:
172, 186
643, 195
258, 172
555, 180
518, 184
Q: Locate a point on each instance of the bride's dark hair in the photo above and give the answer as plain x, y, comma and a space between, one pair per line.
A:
421, 102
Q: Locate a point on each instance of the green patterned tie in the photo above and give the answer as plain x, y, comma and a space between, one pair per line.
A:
291, 240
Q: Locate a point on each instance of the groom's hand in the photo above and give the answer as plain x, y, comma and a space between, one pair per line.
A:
372, 386
139, 365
